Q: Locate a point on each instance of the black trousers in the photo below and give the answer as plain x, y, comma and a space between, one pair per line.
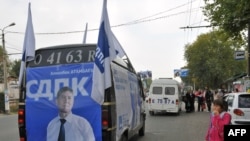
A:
200, 106
208, 105
192, 106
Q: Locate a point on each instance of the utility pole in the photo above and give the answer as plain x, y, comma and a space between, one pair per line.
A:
6, 94
248, 56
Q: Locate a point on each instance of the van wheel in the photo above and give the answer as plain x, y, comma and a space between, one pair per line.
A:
151, 113
123, 138
142, 130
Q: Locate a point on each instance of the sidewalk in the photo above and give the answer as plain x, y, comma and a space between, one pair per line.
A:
6, 114
3, 114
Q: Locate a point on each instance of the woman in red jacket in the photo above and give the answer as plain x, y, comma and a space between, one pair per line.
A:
219, 117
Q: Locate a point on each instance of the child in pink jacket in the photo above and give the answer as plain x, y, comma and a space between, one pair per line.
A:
219, 117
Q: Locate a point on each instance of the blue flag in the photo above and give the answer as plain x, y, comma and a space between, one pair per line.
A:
28, 46
105, 53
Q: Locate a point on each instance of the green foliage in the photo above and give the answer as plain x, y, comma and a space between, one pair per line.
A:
210, 59
14, 107
15, 68
230, 15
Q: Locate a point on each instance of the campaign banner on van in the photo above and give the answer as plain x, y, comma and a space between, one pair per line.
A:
60, 96
128, 99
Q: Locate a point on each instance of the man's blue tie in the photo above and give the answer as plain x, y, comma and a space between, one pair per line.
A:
61, 136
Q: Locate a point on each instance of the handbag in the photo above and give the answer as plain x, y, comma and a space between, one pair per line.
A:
203, 106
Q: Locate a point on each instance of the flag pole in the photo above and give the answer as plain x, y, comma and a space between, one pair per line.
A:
85, 34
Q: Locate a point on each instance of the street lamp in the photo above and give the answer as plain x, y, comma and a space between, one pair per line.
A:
6, 96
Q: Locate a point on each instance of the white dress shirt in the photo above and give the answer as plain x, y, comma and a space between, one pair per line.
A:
76, 127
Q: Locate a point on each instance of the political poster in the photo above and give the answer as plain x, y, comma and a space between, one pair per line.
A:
128, 99
184, 73
177, 72
43, 86
181, 72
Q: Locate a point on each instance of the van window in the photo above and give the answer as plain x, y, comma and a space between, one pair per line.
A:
244, 101
157, 90
169, 90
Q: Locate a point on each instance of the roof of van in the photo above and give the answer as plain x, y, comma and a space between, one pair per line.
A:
66, 45
165, 81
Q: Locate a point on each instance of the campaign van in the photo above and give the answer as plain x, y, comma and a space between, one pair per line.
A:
58, 83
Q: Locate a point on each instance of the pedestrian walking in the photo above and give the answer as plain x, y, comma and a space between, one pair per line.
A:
190, 101
200, 98
208, 98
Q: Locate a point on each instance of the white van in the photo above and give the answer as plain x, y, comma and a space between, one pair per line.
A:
119, 118
164, 96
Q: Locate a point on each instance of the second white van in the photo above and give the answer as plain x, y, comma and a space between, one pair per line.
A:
164, 96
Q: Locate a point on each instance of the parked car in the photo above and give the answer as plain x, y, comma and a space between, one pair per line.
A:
239, 107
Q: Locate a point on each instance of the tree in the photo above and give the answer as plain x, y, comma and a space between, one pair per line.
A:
210, 59
233, 16
1, 64
15, 68
12, 67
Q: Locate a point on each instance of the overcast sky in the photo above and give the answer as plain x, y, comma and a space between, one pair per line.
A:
153, 42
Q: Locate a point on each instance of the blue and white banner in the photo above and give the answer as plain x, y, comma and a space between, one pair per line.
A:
42, 89
28, 45
128, 99
184, 72
181, 72
118, 47
105, 53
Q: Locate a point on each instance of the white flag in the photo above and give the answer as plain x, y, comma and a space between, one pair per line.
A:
85, 33
119, 50
105, 53
28, 46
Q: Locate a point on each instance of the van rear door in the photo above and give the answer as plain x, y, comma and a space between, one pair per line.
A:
156, 98
169, 97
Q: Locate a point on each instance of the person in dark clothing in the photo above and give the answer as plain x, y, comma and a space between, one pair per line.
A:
208, 98
200, 100
190, 101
